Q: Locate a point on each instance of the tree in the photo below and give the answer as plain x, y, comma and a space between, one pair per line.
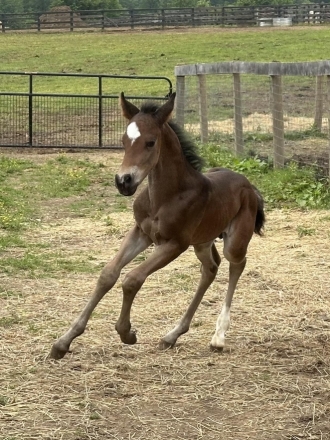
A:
36, 5
11, 6
87, 5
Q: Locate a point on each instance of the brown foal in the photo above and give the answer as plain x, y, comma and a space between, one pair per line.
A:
179, 207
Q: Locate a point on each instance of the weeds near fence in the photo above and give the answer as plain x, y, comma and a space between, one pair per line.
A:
293, 186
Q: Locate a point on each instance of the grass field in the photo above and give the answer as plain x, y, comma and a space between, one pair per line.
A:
150, 53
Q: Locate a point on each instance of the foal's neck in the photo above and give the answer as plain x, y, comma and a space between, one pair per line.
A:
172, 174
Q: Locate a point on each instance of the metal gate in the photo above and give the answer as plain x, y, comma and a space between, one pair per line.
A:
30, 116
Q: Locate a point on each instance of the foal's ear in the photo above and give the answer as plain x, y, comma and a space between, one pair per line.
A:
129, 109
164, 112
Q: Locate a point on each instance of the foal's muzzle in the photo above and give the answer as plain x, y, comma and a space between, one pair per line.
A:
126, 184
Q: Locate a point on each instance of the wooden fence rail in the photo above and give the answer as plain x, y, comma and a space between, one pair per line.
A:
315, 13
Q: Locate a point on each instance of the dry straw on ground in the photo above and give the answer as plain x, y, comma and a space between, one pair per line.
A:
271, 381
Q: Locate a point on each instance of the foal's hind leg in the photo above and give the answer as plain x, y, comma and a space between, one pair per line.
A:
134, 243
210, 259
235, 247
223, 322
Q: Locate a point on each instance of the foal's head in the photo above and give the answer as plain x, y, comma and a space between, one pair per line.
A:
141, 143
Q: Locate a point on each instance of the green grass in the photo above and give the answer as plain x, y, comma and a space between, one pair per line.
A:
9, 321
5, 294
143, 53
62, 177
14, 208
45, 264
290, 187
24, 185
31, 193
3, 400
303, 231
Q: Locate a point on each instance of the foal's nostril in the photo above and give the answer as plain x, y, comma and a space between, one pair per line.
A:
123, 181
127, 178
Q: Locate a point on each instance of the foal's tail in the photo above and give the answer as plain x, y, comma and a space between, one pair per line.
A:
260, 218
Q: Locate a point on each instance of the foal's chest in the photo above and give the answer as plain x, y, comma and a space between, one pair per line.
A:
151, 227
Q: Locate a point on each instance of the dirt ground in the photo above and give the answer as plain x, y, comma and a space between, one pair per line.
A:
271, 381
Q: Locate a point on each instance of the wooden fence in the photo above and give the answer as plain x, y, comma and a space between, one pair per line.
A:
318, 108
315, 13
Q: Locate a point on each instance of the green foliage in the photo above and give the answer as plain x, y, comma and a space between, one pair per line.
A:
21, 6
292, 186
264, 2
154, 4
87, 5
11, 6
216, 156
36, 5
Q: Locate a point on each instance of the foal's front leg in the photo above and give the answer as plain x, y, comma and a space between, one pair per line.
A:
163, 255
134, 243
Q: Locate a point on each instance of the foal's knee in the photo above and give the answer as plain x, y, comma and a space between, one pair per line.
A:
108, 277
132, 283
213, 269
235, 255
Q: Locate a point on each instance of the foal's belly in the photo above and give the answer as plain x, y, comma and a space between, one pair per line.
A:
208, 231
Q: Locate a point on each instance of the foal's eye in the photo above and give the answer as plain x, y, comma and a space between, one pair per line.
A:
150, 144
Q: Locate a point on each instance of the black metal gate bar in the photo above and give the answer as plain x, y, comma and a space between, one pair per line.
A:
100, 112
35, 120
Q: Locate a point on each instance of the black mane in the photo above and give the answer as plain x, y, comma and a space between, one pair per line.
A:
189, 148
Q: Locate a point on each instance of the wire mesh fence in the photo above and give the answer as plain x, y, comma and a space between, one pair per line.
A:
281, 118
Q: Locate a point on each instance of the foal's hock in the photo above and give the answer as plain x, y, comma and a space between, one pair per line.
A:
179, 207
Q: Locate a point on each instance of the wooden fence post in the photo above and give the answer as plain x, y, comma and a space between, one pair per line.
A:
203, 107
71, 21
131, 13
179, 101
239, 142
103, 20
318, 103
278, 123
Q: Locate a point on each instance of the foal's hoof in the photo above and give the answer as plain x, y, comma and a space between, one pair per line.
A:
216, 349
164, 345
129, 338
57, 353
